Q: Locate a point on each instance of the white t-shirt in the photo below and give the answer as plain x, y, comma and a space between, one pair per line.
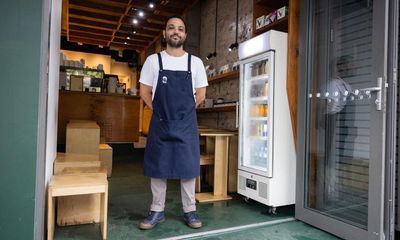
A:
151, 67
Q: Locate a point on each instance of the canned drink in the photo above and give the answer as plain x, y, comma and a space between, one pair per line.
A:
266, 67
261, 110
266, 89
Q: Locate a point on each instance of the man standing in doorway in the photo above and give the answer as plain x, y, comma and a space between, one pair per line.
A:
173, 83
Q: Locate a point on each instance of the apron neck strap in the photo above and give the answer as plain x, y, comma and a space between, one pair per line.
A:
160, 61
189, 63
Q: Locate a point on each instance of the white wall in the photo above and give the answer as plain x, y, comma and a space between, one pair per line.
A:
52, 98
125, 74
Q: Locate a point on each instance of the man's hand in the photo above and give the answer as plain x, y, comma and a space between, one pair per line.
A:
200, 95
146, 93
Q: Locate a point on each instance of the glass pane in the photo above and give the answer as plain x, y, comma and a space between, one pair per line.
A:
256, 87
339, 115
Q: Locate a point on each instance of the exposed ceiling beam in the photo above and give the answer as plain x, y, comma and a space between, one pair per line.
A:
130, 42
89, 35
91, 30
147, 15
167, 10
116, 3
110, 21
92, 24
125, 46
96, 7
142, 23
65, 17
151, 33
133, 36
88, 41
127, 9
98, 17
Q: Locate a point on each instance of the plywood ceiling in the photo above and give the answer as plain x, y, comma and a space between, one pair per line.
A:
109, 23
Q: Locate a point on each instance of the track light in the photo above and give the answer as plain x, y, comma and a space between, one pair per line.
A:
141, 13
233, 46
151, 4
211, 55
135, 21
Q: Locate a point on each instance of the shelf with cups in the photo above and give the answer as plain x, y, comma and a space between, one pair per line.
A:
280, 25
216, 79
270, 15
63, 68
223, 77
217, 109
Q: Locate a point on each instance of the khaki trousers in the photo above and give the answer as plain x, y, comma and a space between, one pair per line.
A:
159, 190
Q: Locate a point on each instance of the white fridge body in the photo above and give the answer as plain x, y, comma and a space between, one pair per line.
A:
267, 159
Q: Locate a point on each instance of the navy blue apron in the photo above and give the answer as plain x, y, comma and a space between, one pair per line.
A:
172, 148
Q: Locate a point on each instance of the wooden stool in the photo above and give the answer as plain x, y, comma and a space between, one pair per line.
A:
64, 160
81, 209
221, 150
106, 157
83, 137
70, 185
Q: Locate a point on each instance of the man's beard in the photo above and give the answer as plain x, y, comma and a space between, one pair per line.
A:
173, 43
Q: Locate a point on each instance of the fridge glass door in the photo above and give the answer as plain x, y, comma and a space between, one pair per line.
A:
256, 114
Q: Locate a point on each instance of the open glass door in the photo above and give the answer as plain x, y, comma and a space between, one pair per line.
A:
342, 118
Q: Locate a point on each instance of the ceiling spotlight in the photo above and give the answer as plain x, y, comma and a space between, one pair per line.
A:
128, 37
211, 55
141, 13
135, 21
134, 32
80, 44
151, 5
233, 46
125, 43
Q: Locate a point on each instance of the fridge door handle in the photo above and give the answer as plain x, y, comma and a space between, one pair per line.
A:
378, 89
237, 114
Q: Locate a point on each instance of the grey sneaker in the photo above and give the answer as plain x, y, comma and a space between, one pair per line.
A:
152, 219
192, 220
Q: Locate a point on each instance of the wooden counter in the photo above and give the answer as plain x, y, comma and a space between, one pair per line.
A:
116, 114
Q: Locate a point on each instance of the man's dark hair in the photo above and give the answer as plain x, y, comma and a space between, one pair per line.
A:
175, 16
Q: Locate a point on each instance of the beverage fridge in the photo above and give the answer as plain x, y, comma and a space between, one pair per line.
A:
267, 159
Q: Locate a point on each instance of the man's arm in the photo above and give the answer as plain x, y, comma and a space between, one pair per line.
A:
200, 95
145, 94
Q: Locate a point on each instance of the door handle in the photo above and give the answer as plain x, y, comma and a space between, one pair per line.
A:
378, 89
237, 115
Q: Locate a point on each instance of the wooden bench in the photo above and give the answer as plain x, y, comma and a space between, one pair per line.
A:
106, 157
205, 160
72, 185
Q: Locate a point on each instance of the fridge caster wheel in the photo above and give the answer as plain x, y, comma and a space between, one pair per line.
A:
272, 210
246, 199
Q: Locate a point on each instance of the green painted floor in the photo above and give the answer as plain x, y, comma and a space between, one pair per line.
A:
130, 198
